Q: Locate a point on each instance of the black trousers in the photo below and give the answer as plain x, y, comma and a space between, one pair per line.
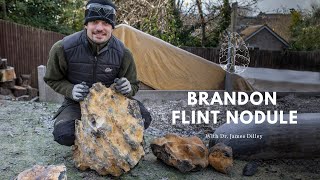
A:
64, 125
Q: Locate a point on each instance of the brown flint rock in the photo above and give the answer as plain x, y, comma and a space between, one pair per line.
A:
109, 136
220, 158
184, 153
46, 173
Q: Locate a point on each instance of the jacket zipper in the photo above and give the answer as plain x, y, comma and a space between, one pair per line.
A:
94, 70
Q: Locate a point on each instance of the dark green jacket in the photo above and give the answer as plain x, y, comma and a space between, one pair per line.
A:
56, 72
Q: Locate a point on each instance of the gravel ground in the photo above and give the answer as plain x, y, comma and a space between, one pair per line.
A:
26, 140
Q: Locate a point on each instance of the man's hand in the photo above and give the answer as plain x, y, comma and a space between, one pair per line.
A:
122, 85
80, 91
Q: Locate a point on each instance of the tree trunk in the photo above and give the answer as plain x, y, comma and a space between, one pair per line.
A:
203, 23
3, 6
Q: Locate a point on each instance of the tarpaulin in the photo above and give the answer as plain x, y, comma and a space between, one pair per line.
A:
163, 66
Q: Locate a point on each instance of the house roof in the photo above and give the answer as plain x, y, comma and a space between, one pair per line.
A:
279, 23
251, 31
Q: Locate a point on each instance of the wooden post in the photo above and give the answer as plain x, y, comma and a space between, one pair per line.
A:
233, 28
234, 16
203, 23
228, 79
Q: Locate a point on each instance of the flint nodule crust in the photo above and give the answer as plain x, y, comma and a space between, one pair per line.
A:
221, 158
109, 136
44, 172
184, 153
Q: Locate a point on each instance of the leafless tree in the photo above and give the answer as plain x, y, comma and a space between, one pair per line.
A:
204, 14
199, 17
136, 12
202, 21
3, 8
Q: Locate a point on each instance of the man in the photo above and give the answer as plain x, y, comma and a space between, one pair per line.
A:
84, 58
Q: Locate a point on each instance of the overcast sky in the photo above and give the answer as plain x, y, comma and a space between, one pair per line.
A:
271, 5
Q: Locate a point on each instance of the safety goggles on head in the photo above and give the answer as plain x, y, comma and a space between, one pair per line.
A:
96, 9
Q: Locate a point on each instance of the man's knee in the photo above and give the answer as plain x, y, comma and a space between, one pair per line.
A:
147, 119
145, 115
65, 139
64, 125
64, 132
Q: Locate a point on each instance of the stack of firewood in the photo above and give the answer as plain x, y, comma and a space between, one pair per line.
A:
12, 87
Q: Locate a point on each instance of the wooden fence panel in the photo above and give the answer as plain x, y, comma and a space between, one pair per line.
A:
294, 60
26, 47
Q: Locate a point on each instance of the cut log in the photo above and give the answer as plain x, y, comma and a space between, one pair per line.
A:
3, 64
5, 91
19, 91
7, 74
24, 98
32, 92
7, 84
19, 81
26, 80
300, 140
